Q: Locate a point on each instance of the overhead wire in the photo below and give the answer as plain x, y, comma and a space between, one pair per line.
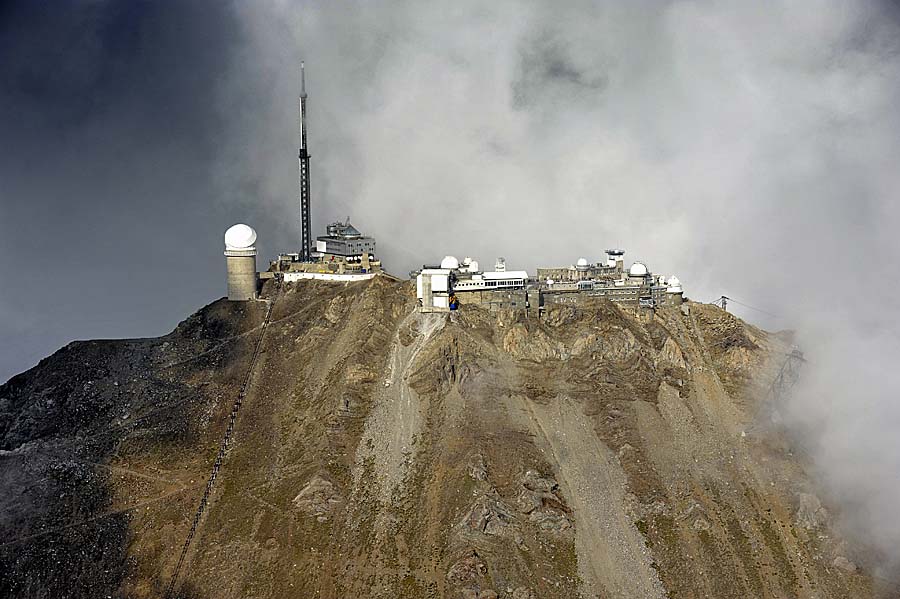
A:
740, 303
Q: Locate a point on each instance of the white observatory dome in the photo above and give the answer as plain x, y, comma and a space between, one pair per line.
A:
450, 263
240, 237
638, 269
674, 285
581, 262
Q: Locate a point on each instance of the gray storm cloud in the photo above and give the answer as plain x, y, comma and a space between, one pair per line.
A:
748, 147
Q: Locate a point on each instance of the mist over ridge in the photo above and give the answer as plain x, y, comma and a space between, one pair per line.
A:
748, 148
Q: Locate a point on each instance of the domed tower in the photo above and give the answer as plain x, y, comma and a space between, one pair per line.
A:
638, 270
581, 269
674, 291
240, 262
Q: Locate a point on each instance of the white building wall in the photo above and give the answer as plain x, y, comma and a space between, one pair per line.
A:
440, 283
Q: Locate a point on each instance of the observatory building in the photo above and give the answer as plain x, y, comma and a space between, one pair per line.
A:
343, 254
446, 286
240, 262
583, 271
343, 239
635, 286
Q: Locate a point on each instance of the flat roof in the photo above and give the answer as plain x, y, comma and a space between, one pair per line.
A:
509, 274
342, 238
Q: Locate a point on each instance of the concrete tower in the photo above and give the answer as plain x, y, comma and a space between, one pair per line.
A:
240, 261
305, 227
615, 257
674, 291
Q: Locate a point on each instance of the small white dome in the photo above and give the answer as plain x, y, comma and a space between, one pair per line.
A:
638, 269
581, 262
473, 266
240, 237
674, 285
450, 263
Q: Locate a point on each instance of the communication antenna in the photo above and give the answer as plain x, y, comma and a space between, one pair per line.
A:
303, 157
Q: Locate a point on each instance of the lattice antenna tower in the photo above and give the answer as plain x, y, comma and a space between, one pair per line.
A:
303, 157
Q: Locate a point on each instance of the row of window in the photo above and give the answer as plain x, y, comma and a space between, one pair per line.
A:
504, 283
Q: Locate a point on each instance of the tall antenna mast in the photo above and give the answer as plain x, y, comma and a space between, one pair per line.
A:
305, 228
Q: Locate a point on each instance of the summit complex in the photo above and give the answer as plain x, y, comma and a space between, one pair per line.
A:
344, 254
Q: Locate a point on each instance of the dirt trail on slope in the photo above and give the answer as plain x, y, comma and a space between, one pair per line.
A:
395, 421
612, 558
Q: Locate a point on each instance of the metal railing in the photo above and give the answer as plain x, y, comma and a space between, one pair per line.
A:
220, 457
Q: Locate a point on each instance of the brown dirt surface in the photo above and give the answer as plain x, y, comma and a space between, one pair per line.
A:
384, 453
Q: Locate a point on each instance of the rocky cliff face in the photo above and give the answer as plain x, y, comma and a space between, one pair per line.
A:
384, 453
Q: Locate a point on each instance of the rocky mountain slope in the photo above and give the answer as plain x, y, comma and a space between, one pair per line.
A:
379, 452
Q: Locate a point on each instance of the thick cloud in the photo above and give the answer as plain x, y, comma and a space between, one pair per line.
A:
110, 127
748, 147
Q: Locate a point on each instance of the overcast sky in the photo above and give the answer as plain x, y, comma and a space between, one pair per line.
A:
751, 148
